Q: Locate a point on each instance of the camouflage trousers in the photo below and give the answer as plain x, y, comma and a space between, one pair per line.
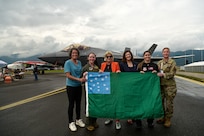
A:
168, 93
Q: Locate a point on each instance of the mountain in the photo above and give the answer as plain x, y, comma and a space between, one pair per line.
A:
13, 58
180, 62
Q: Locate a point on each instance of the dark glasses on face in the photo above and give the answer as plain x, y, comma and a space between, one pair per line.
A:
109, 56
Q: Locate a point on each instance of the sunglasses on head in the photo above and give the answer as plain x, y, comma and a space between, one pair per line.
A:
109, 56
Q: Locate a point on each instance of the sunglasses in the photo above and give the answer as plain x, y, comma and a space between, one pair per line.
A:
109, 56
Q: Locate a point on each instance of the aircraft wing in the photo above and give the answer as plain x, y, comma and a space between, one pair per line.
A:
15, 66
182, 56
139, 59
59, 58
35, 62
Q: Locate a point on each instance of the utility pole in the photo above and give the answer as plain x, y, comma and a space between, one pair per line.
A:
192, 56
185, 57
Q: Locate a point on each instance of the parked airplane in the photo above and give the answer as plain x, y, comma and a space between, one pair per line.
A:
59, 58
15, 66
28, 65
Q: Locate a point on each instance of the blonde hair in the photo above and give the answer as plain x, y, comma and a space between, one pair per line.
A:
166, 48
105, 56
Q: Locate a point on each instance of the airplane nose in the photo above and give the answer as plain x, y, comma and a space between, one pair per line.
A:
48, 55
56, 58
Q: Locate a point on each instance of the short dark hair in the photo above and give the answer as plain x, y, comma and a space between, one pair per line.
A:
70, 52
146, 52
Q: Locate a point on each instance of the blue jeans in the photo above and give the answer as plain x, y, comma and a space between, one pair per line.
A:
36, 75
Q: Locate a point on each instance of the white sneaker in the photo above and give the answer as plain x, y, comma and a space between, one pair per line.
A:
72, 126
117, 125
108, 121
80, 123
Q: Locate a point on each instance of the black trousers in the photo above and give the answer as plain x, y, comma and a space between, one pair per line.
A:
91, 121
139, 122
74, 97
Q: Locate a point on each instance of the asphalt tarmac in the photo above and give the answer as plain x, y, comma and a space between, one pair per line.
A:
45, 112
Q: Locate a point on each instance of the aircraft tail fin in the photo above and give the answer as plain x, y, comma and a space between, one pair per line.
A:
127, 49
152, 48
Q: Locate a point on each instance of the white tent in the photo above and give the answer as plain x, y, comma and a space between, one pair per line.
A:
195, 67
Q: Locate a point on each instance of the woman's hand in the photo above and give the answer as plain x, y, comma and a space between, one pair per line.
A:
118, 71
100, 70
160, 74
82, 79
84, 74
154, 71
142, 72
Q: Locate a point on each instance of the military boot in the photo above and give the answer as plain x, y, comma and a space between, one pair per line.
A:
167, 122
161, 121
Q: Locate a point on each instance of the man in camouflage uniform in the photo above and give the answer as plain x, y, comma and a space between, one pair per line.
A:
167, 68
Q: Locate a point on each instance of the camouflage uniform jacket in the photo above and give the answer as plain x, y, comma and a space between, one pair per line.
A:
88, 68
169, 69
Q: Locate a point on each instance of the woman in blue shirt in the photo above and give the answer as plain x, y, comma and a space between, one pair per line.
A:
73, 70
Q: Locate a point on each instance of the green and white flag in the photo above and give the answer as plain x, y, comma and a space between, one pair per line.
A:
125, 95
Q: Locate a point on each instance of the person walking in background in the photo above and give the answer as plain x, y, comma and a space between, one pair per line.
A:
167, 68
147, 66
73, 71
91, 67
110, 66
128, 65
35, 72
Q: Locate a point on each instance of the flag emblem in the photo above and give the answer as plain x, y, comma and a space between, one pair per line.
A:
99, 83
125, 95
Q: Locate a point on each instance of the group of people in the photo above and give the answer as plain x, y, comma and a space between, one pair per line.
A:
75, 76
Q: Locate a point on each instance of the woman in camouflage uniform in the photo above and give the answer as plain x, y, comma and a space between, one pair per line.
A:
91, 67
167, 68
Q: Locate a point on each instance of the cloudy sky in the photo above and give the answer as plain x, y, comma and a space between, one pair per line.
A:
29, 27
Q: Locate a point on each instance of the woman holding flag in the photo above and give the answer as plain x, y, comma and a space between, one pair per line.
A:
110, 66
73, 71
91, 67
128, 65
147, 66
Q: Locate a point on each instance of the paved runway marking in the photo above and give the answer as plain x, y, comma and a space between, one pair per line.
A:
57, 91
190, 80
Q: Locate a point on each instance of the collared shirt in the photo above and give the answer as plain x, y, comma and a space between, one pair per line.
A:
124, 67
114, 66
89, 68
